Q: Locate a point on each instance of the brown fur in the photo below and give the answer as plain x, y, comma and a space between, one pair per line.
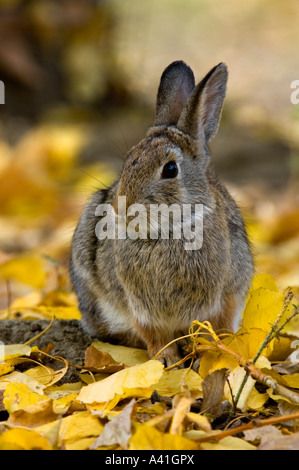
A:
148, 292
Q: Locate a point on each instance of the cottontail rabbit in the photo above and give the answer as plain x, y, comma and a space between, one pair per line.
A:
145, 292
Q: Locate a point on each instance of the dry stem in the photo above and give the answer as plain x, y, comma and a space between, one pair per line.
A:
255, 423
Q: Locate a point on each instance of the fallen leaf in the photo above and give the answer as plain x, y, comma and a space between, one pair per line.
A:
181, 405
213, 391
11, 351
148, 438
257, 400
199, 420
150, 408
235, 380
290, 442
260, 435
16, 377
58, 298
264, 280
141, 376
71, 430
118, 430
26, 269
5, 368
262, 309
40, 312
44, 375
33, 415
292, 380
122, 354
99, 361
173, 382
23, 439
18, 396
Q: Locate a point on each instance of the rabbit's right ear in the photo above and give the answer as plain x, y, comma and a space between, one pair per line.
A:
201, 115
176, 84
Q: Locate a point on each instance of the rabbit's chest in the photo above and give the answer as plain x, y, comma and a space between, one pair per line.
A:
163, 277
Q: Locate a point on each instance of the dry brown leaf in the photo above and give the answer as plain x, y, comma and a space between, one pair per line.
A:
290, 442
118, 430
213, 390
99, 361
263, 434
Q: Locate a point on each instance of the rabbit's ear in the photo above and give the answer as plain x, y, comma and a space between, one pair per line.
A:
176, 85
201, 115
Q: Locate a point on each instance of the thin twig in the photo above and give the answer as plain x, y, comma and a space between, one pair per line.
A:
42, 332
249, 367
255, 423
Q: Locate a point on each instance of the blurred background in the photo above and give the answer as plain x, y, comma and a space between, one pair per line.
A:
81, 78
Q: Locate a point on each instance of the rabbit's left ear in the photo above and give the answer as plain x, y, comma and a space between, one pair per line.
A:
201, 114
176, 85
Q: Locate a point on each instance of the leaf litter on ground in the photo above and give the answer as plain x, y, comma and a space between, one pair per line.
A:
124, 400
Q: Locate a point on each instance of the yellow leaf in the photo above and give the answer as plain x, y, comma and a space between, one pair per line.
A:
282, 347
139, 376
252, 339
5, 368
262, 309
153, 409
11, 351
246, 343
33, 415
26, 269
42, 374
25, 196
73, 428
41, 312
149, 438
26, 301
79, 425
266, 281
211, 361
182, 407
292, 380
62, 145
23, 439
172, 382
18, 396
59, 298
235, 379
55, 392
250, 398
21, 378
62, 404
257, 400
79, 444
201, 421
123, 354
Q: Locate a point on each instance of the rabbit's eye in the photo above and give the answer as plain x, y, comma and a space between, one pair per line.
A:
170, 170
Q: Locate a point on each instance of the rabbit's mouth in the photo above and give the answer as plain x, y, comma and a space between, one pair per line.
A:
153, 222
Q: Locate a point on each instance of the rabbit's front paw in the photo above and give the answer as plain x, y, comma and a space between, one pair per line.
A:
170, 356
